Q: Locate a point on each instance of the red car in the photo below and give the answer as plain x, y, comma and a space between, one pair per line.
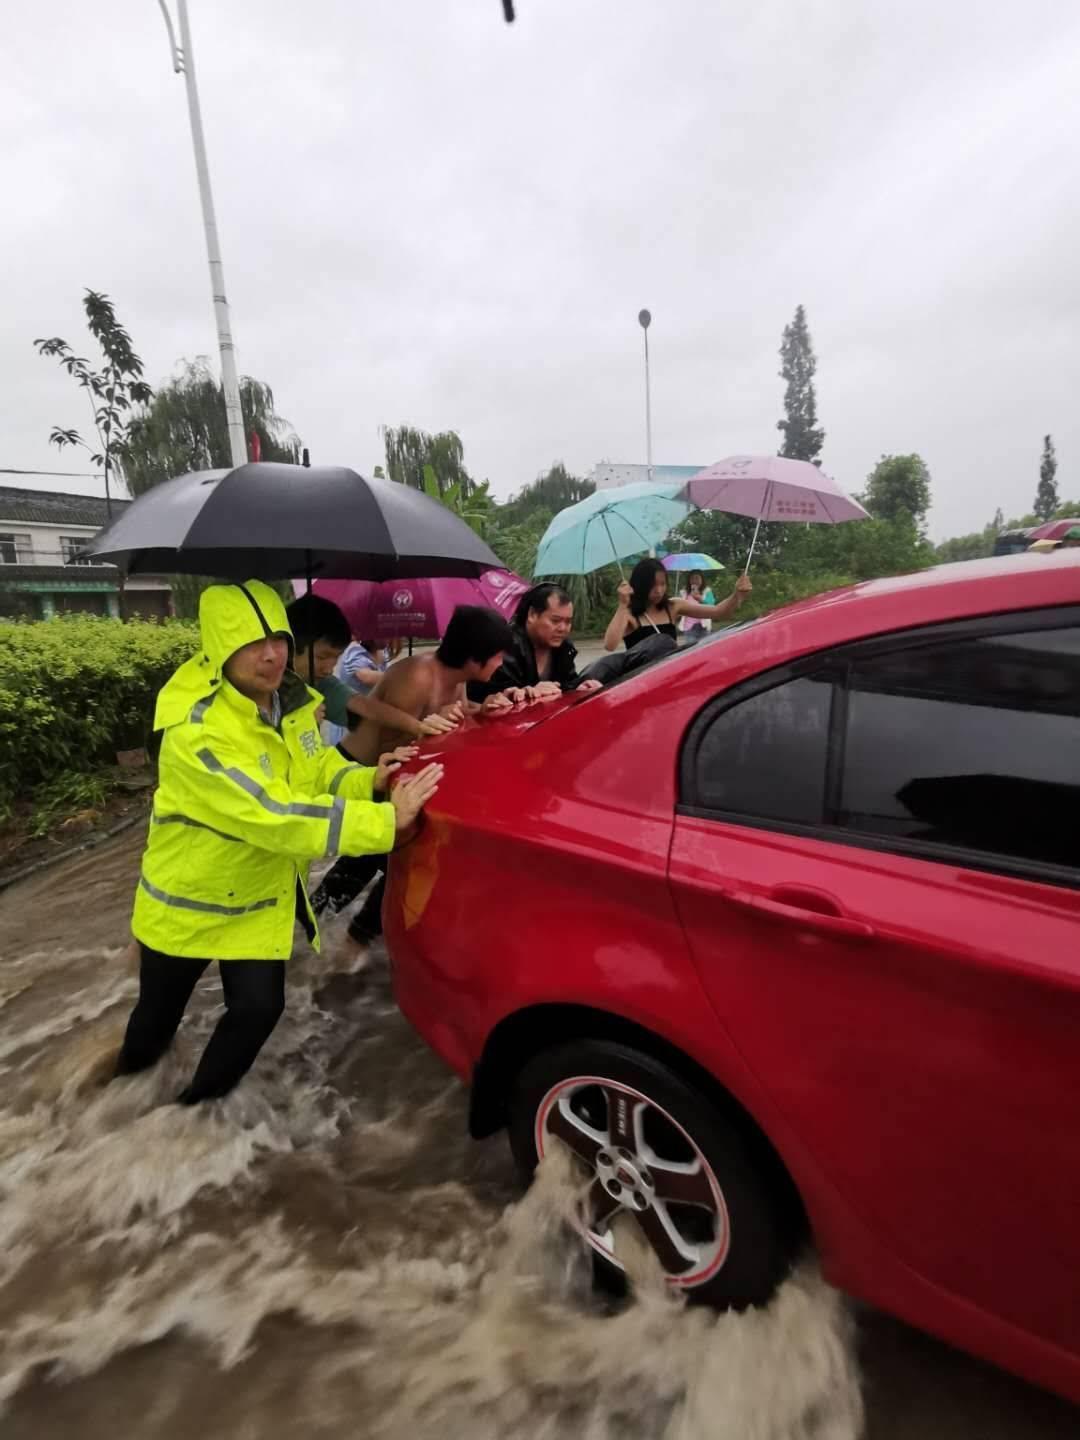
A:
781, 936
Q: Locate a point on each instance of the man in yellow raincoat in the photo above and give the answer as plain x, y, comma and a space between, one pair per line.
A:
247, 797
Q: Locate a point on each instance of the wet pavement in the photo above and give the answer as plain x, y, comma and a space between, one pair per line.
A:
326, 1254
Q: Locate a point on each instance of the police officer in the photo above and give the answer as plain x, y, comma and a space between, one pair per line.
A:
247, 797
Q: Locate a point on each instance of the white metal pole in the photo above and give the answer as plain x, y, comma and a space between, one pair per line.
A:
645, 320
184, 62
648, 410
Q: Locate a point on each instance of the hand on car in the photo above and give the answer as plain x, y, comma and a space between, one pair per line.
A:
587, 687
412, 792
392, 762
436, 725
454, 712
502, 700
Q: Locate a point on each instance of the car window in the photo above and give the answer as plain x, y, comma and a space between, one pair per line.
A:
974, 744
684, 648
765, 757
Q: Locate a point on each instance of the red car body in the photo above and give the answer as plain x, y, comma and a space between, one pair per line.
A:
900, 1020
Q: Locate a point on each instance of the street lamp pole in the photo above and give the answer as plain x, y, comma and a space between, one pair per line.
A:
645, 320
183, 63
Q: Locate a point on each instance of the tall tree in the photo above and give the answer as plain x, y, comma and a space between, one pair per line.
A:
184, 427
474, 507
1046, 496
898, 486
112, 390
552, 491
803, 437
409, 451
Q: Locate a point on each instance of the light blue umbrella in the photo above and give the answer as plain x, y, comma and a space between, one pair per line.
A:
610, 525
694, 560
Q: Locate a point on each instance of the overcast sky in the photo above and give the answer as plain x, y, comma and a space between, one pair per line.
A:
428, 216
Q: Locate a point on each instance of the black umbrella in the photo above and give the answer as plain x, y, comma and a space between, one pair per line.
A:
278, 522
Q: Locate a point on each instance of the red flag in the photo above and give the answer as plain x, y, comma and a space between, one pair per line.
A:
256, 447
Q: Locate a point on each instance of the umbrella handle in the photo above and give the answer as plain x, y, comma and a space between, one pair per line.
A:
757, 527
311, 642
753, 542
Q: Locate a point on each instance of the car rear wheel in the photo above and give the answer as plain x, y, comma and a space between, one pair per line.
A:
654, 1155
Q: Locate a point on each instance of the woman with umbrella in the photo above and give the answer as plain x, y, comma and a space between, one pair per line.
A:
646, 609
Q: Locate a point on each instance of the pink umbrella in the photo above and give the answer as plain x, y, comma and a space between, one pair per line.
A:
769, 487
417, 609
1053, 529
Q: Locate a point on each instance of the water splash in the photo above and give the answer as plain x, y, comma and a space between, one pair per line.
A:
325, 1253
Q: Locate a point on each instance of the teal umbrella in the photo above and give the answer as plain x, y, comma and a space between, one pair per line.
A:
610, 525
692, 560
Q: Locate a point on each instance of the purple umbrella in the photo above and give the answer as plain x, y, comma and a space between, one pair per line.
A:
769, 487
418, 609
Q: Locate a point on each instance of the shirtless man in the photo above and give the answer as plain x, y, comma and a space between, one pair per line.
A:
471, 650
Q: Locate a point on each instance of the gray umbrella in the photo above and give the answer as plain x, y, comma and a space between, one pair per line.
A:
277, 522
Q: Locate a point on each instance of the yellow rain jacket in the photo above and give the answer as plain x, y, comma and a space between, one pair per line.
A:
244, 805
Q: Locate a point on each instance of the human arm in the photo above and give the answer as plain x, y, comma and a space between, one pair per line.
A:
621, 621
698, 611
359, 664
402, 694
509, 676
213, 783
367, 676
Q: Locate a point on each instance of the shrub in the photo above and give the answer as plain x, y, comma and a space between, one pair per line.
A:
75, 690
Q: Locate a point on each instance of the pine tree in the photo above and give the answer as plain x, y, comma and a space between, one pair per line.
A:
803, 438
1046, 496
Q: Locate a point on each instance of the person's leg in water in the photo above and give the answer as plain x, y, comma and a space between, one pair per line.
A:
254, 999
165, 986
364, 928
351, 874
341, 885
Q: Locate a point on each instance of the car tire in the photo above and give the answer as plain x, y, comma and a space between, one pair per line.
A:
709, 1203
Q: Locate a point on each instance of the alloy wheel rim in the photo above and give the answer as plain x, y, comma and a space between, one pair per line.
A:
642, 1163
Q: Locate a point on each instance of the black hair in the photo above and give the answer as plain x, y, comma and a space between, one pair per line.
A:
642, 579
535, 601
690, 578
474, 633
313, 618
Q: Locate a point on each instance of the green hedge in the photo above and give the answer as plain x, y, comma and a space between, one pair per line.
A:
75, 690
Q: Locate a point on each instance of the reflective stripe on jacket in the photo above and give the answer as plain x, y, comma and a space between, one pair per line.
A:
242, 806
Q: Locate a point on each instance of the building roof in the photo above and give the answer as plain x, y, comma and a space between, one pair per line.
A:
47, 507
607, 476
13, 577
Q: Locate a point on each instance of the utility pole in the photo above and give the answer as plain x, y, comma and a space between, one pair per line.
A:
183, 63
645, 320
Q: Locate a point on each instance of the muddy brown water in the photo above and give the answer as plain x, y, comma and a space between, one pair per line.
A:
326, 1254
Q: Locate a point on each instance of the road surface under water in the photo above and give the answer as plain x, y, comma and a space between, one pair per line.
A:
326, 1254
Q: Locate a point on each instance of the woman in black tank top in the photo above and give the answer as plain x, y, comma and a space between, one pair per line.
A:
646, 608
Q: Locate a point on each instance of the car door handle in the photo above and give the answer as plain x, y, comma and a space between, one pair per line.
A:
823, 922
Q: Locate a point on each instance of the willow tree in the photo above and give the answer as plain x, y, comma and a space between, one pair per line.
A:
410, 452
184, 428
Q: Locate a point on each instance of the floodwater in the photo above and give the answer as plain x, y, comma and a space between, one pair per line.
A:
326, 1254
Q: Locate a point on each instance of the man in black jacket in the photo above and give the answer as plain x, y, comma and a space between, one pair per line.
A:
540, 661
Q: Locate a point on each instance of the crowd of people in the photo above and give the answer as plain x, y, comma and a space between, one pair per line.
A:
281, 743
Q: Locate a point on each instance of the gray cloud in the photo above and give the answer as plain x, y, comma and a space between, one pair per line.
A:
429, 216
